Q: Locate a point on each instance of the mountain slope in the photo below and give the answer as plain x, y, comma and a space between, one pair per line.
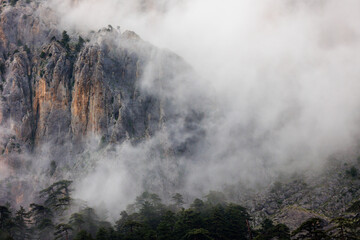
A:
58, 92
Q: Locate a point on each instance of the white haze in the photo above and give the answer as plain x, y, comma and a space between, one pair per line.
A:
283, 77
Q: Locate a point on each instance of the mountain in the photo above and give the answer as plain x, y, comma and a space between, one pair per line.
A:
59, 89
54, 92
70, 99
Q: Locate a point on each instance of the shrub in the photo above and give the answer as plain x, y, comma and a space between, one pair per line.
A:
43, 54
27, 49
80, 44
352, 172
65, 39
13, 2
2, 68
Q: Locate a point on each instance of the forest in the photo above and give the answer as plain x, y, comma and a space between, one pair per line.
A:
59, 216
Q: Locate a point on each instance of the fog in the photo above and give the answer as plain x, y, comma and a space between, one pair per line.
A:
282, 79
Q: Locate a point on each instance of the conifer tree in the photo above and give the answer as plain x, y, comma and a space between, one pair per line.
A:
65, 40
57, 196
6, 222
21, 224
313, 228
42, 220
62, 231
178, 201
165, 229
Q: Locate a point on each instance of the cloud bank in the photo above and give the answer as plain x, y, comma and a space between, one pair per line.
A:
282, 76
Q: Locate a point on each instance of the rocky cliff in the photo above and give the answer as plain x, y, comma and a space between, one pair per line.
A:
56, 91
59, 89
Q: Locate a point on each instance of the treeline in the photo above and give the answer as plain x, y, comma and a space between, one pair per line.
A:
149, 218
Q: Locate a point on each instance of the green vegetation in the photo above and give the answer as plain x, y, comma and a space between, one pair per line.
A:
53, 167
352, 172
149, 218
72, 49
270, 231
42, 54
343, 228
276, 187
2, 68
313, 228
79, 44
65, 40
13, 2
26, 49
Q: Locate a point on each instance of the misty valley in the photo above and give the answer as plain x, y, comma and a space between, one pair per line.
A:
179, 119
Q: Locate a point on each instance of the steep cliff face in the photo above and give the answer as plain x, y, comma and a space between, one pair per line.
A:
106, 97
52, 91
58, 92
51, 95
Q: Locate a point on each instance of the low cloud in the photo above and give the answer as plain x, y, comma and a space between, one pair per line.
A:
278, 83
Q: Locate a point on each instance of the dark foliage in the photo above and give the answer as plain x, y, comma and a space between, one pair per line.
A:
13, 2
311, 229
79, 44
42, 55
148, 218
270, 231
65, 40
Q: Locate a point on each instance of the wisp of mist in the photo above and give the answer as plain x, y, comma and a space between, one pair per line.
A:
283, 78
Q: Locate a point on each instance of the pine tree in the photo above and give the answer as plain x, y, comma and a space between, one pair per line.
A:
21, 224
42, 220
79, 44
6, 222
215, 198
313, 228
62, 231
83, 235
198, 234
281, 232
57, 196
102, 234
237, 219
217, 223
76, 222
91, 220
65, 40
343, 229
187, 220
198, 205
5, 218
165, 229
270, 231
178, 201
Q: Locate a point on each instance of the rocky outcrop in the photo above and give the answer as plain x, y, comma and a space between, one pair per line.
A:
16, 97
57, 92
291, 200
106, 97
51, 95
